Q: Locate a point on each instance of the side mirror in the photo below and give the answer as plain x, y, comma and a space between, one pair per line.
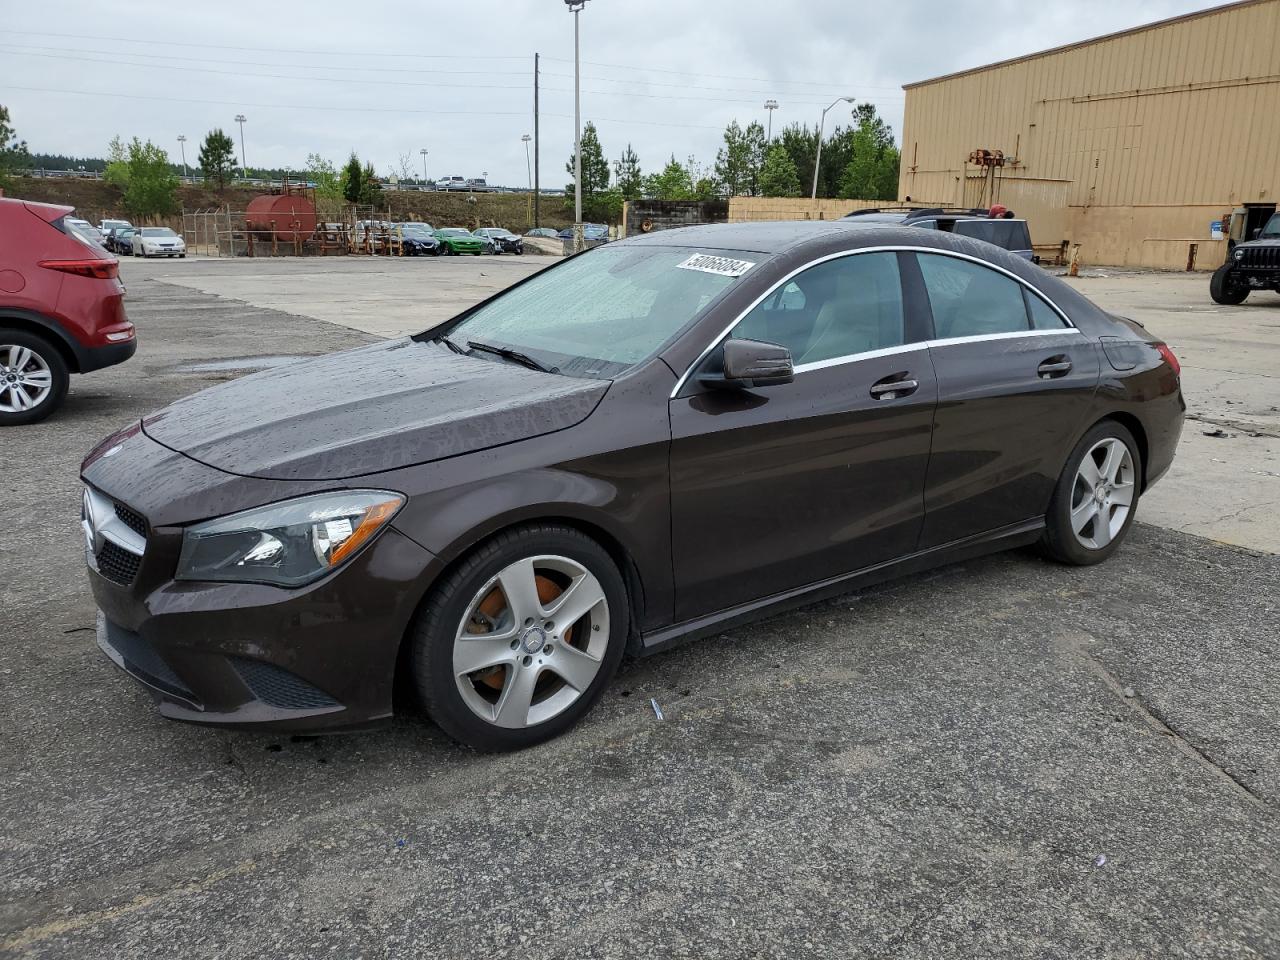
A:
1254, 235
753, 363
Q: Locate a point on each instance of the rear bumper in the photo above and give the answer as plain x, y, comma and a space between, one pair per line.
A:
95, 358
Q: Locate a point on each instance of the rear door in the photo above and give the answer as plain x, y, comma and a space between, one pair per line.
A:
1015, 383
777, 487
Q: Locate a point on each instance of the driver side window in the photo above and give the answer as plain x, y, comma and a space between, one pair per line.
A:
839, 308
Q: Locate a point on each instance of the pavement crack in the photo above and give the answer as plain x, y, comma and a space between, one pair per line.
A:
1151, 716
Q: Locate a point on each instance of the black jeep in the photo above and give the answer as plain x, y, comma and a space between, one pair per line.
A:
1251, 265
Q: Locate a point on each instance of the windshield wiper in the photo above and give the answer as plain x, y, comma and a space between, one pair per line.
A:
444, 338
515, 355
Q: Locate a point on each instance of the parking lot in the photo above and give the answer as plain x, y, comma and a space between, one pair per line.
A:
1000, 757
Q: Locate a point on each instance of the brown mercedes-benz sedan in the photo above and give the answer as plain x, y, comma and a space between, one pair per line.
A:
641, 444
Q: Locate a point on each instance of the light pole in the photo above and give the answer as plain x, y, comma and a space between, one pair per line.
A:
770, 105
575, 7
244, 170
817, 163
182, 145
423, 151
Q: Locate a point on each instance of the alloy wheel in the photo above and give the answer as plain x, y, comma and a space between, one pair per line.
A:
25, 379
1102, 495
531, 642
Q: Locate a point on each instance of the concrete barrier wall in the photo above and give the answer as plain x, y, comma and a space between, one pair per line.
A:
743, 209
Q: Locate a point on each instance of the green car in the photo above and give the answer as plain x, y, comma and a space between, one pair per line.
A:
455, 240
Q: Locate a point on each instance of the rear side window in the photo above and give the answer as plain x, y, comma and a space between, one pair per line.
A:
1009, 234
1043, 316
970, 300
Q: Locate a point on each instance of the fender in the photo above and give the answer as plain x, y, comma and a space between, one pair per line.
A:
77, 356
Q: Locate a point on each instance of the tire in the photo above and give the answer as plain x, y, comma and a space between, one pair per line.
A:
1084, 524
42, 363
1223, 290
483, 708
182, 256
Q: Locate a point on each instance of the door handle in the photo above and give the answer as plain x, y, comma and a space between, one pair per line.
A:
893, 386
1058, 366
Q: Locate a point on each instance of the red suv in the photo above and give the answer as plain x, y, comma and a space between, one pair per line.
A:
61, 309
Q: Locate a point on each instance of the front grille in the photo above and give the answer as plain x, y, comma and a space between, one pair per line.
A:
132, 519
1260, 258
142, 658
117, 564
279, 688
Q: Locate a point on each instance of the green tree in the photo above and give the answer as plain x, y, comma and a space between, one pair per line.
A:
324, 175
674, 182
370, 188
218, 157
778, 177
801, 144
595, 168
871, 170
352, 179
13, 152
739, 160
144, 173
627, 175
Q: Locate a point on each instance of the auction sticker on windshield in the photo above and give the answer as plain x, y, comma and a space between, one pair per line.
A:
724, 266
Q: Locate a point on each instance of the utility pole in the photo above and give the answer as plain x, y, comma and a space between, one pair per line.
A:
537, 190
423, 151
528, 172
182, 145
244, 170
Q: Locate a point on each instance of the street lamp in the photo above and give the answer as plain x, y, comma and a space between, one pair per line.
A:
244, 170
770, 105
182, 145
575, 7
423, 151
818, 161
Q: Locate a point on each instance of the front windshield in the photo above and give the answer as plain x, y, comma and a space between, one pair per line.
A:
607, 309
1272, 230
158, 232
455, 232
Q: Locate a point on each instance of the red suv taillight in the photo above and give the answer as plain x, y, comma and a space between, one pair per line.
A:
1169, 358
95, 269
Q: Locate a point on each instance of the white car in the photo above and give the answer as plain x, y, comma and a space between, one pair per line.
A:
158, 242
106, 226
86, 230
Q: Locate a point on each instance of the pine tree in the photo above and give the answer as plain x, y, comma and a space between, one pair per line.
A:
778, 177
628, 178
218, 157
352, 179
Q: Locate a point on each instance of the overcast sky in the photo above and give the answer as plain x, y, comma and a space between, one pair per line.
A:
390, 78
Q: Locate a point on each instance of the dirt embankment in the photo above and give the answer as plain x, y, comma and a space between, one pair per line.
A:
95, 200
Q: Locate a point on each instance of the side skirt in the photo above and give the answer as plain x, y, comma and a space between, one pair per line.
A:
1005, 538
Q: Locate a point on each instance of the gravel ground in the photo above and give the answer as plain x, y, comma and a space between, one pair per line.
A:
1000, 758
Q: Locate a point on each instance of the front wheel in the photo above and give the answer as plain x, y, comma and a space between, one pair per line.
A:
1224, 289
33, 378
519, 642
1096, 497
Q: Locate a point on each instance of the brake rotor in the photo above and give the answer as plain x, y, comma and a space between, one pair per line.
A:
488, 613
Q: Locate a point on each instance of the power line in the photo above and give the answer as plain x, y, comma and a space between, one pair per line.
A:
721, 76
215, 46
363, 109
402, 83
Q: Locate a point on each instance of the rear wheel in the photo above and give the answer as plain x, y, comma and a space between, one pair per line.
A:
1224, 288
520, 641
33, 377
1096, 498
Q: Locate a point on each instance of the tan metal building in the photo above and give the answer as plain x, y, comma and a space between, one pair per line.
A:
1130, 144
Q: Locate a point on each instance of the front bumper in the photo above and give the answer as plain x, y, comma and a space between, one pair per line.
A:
320, 657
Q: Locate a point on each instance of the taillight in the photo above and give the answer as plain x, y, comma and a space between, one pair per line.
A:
95, 269
1169, 358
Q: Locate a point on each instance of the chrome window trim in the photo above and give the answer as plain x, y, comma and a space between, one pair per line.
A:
886, 351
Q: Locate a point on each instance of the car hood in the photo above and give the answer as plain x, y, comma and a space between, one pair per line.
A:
368, 410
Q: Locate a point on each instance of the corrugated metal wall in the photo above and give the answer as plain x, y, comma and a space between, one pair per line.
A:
1156, 131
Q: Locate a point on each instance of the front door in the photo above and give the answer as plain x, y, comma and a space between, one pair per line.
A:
777, 487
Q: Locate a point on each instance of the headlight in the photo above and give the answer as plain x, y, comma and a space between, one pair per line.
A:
287, 544
1237, 253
